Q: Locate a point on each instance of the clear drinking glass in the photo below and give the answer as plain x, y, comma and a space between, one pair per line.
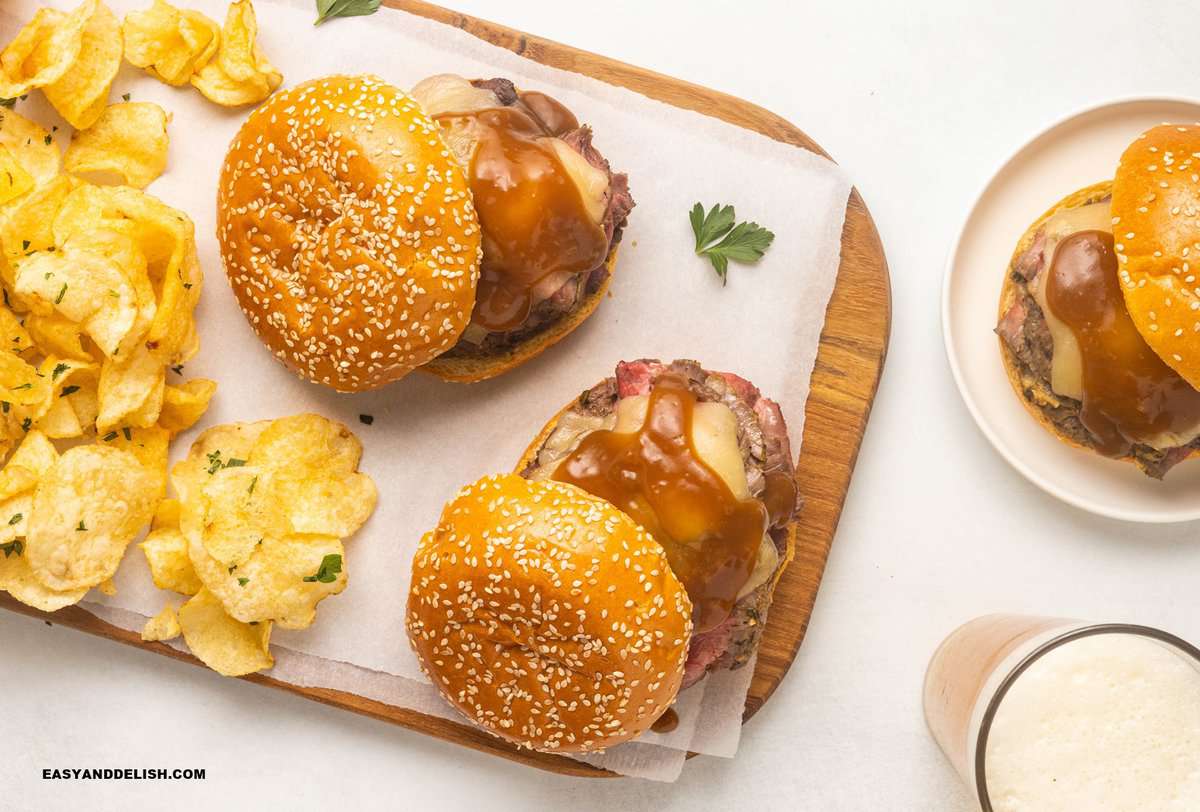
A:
976, 667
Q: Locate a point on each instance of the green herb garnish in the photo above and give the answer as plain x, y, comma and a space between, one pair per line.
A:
9, 103
125, 96
128, 434
366, 419
14, 547
721, 238
82, 527
58, 370
16, 518
243, 581
327, 573
69, 390
108, 438
328, 9
63, 292
253, 482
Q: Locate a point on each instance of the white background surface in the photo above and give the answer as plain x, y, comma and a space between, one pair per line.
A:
919, 103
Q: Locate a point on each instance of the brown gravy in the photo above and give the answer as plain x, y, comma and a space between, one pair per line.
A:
534, 221
1129, 394
655, 475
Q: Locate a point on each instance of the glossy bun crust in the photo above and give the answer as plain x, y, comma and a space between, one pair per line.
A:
1156, 232
547, 616
348, 233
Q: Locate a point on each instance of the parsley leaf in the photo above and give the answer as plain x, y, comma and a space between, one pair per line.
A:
68, 390
327, 573
243, 581
721, 238
14, 547
366, 419
16, 518
81, 528
328, 9
58, 370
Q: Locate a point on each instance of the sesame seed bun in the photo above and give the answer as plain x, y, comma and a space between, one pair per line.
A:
547, 616
1156, 229
348, 233
471, 369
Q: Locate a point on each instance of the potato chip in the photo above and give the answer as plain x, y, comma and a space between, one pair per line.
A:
149, 445
170, 566
222, 643
319, 503
57, 335
17, 579
131, 390
232, 513
307, 440
163, 626
86, 510
209, 453
26, 225
31, 146
20, 384
14, 180
185, 404
15, 480
44, 50
35, 453
13, 334
239, 74
60, 421
107, 588
128, 140
86, 287
170, 43
279, 581
80, 95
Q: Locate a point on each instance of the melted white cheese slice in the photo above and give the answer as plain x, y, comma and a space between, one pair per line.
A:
449, 93
1066, 365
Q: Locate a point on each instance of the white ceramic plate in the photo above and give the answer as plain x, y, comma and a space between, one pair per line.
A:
1075, 152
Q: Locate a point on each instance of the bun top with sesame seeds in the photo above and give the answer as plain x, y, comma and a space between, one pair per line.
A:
1156, 228
547, 616
348, 232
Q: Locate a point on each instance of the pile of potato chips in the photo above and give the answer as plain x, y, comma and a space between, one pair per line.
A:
74, 56
99, 286
255, 537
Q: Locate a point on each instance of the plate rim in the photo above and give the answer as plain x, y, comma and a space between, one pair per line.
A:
1002, 448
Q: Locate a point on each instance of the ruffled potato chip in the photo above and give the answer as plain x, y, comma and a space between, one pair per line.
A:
240, 73
32, 146
35, 453
149, 445
80, 95
169, 43
128, 140
163, 626
13, 334
14, 180
222, 643
277, 582
44, 50
183, 405
86, 511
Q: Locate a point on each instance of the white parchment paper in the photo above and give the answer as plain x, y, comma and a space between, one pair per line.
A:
430, 437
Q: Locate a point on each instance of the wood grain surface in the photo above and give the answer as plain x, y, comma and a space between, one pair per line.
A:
849, 362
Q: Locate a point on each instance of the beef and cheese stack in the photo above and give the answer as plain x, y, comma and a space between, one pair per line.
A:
1100, 310
551, 210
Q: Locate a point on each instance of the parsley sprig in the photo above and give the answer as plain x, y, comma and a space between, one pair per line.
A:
720, 237
328, 9
327, 573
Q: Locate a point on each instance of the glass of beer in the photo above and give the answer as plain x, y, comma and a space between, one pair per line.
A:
1049, 714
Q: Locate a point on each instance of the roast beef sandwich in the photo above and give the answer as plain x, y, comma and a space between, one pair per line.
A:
635, 550
1099, 320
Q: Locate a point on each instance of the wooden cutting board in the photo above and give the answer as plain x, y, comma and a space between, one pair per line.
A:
849, 361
